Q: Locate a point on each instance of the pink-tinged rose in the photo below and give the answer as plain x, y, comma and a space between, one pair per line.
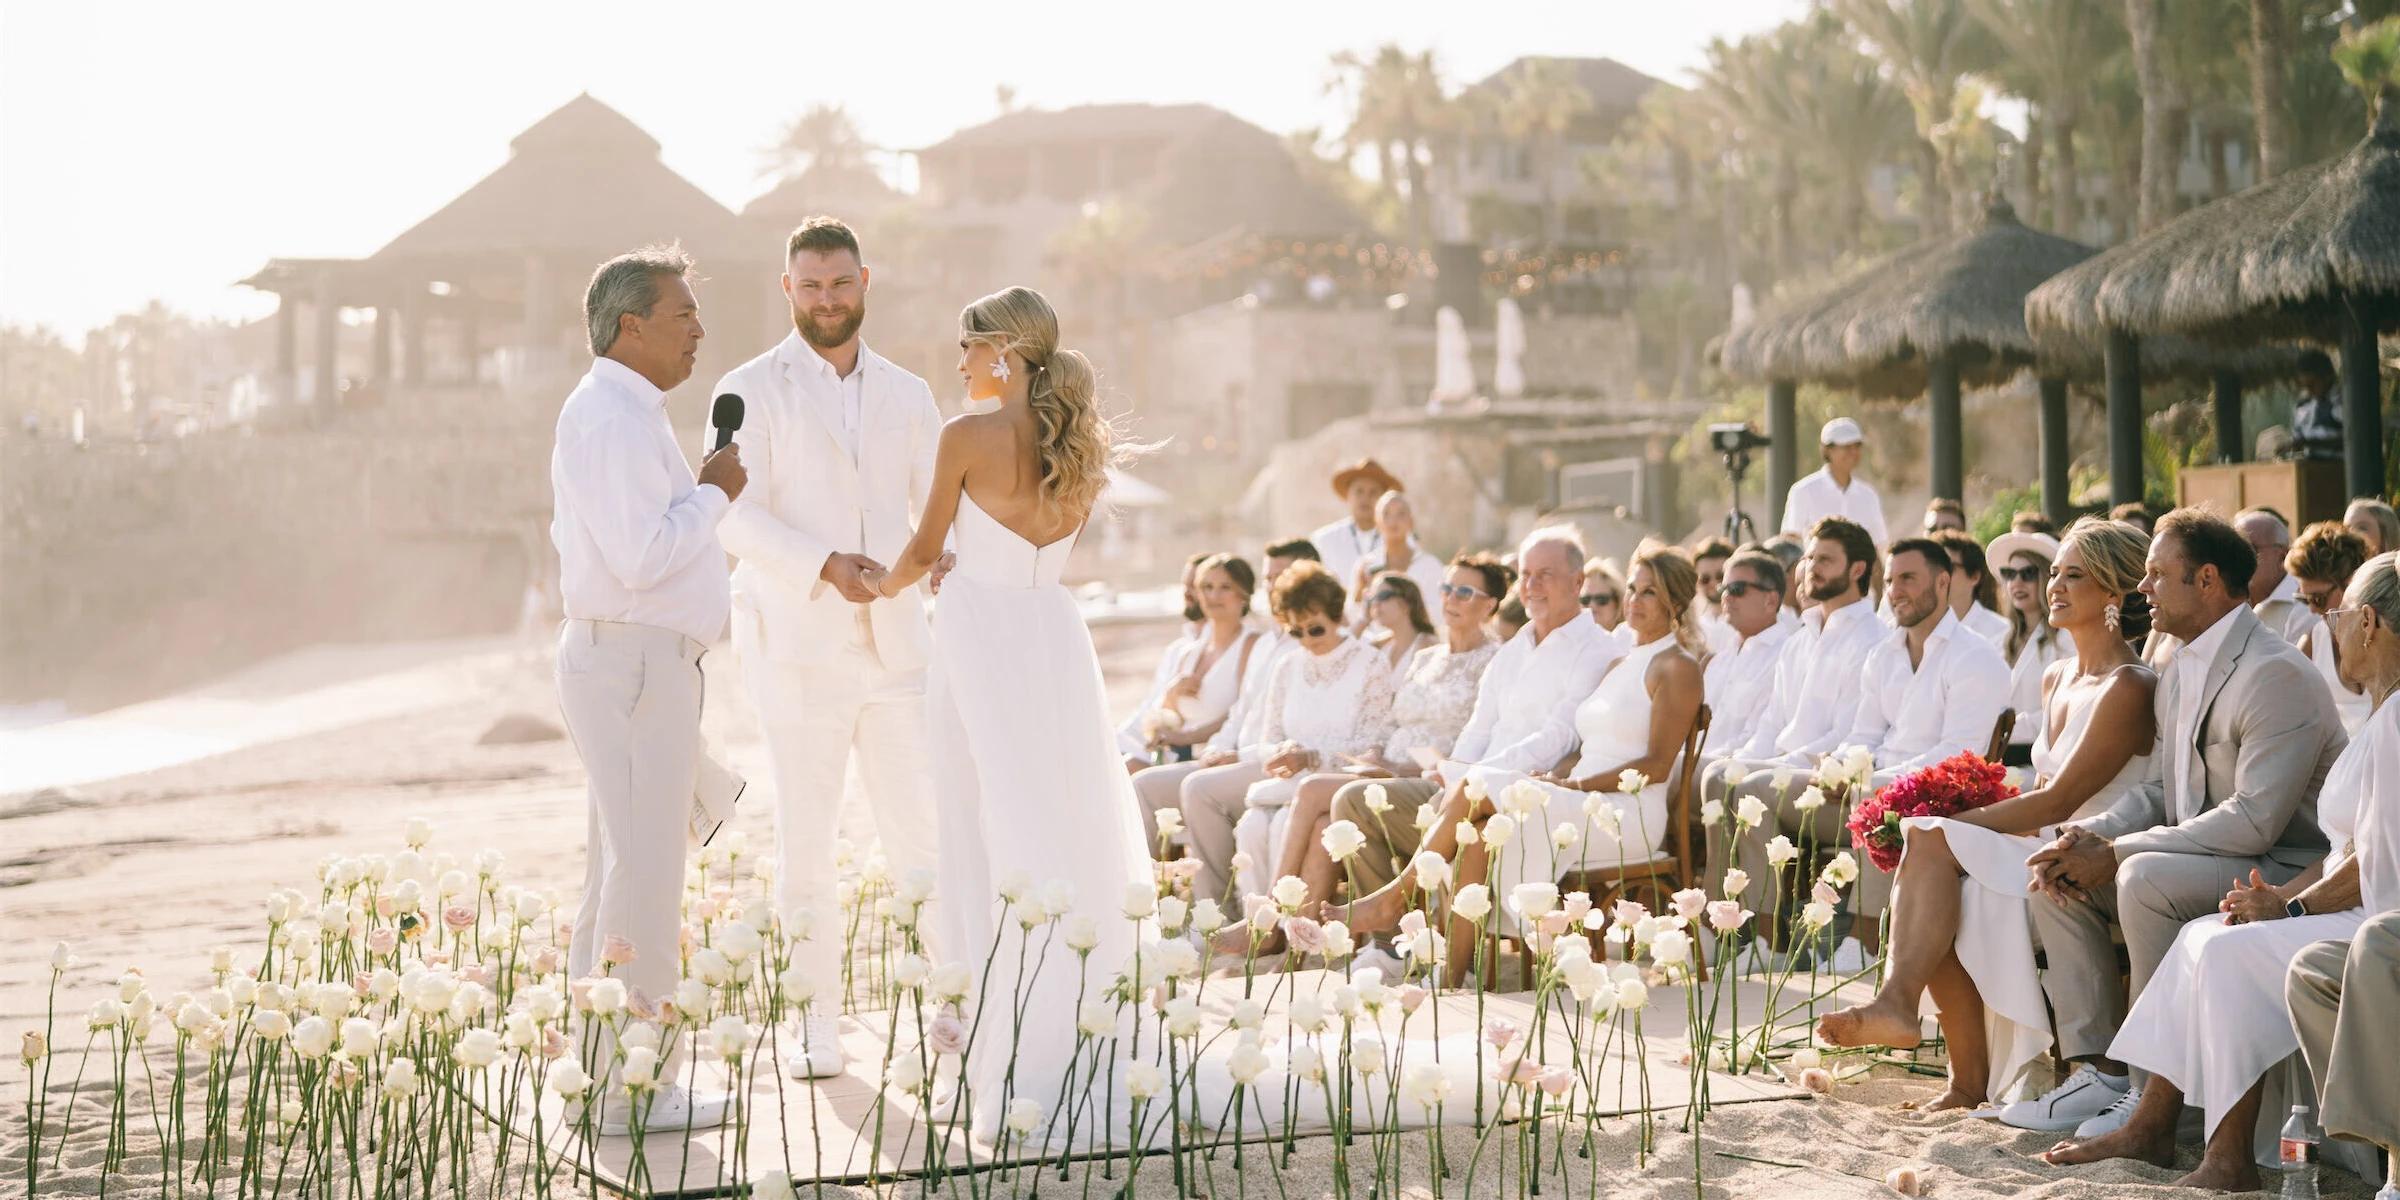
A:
643, 1008
720, 894
1825, 893
458, 918
1184, 869
1519, 1070
1576, 905
947, 1035
1412, 998
438, 956
383, 939
1412, 922
616, 951
386, 907
554, 1044
1554, 923
1904, 1181
361, 983
580, 991
1305, 936
480, 974
1500, 1032
1630, 913
1725, 916
1818, 1080
1690, 903
1556, 1081
546, 961
706, 909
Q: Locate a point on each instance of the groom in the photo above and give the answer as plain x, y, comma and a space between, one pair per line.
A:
839, 444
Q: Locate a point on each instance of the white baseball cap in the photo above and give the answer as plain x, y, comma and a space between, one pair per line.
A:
1841, 431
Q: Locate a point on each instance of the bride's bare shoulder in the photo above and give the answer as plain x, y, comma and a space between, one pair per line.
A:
977, 433
2129, 683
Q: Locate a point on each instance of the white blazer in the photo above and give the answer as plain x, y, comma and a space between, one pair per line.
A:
806, 499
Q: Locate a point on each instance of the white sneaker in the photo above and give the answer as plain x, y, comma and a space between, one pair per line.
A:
2086, 1094
2112, 1118
2391, 1183
676, 1107
815, 1049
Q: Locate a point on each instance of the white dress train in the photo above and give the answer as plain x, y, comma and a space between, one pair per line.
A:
1995, 932
1027, 782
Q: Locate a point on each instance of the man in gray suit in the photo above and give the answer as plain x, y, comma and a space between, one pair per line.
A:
2246, 733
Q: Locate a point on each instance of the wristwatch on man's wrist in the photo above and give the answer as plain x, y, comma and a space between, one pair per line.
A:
2293, 908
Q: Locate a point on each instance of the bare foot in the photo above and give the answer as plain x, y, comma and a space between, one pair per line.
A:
2123, 1143
2214, 1176
1953, 1097
1377, 913
1236, 939
1878, 1022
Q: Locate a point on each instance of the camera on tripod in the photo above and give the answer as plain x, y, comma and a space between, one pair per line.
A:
1735, 437
1734, 440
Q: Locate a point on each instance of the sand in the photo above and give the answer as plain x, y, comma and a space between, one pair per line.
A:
154, 869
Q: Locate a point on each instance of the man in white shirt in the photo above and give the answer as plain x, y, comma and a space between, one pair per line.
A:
1815, 703
2274, 592
1834, 490
1971, 585
1524, 715
842, 441
643, 580
1740, 684
1343, 543
1395, 525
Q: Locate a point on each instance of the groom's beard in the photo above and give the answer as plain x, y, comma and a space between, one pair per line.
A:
816, 332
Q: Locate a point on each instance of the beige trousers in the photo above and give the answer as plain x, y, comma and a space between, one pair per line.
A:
1160, 787
1392, 835
1212, 804
2344, 997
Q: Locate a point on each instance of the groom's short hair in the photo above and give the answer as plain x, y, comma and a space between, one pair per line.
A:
2208, 540
821, 235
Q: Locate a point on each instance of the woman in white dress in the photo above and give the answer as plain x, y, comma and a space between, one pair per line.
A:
1028, 784
2022, 561
1396, 605
1959, 924
2213, 1019
1201, 675
1636, 720
2323, 559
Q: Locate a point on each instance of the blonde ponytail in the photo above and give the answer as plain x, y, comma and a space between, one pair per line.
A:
1075, 444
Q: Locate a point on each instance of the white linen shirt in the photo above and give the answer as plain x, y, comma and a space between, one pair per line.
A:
1816, 495
2284, 612
1524, 718
1739, 685
1990, 626
1824, 703
1948, 702
636, 533
2187, 680
1341, 544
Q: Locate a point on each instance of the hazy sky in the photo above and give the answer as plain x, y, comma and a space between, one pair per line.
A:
168, 149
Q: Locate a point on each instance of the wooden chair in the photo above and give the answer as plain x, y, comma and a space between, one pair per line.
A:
1663, 875
2001, 730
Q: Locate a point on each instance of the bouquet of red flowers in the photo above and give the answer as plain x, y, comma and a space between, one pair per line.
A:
1963, 781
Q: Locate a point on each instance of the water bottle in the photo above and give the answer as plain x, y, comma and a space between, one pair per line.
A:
2300, 1143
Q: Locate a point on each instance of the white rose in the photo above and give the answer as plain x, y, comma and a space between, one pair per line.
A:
1173, 911
1379, 798
1630, 781
691, 997
1343, 839
358, 1037
1183, 1017
1672, 947
710, 966
313, 1038
910, 971
1632, 994
1781, 851
1307, 1014
730, 1035
1366, 1057
1081, 934
608, 996
1816, 914
738, 940
1024, 1116
400, 1078
1305, 1063
1712, 813
1498, 830
1179, 959
640, 1068
1565, 836
1096, 1020
1533, 901
1289, 892
1141, 901
1474, 902
1750, 811
1522, 798
1142, 1081
1246, 1064
1208, 919
797, 987
477, 1049
569, 1079
1170, 822
1810, 800
1338, 944
1433, 871
1842, 871
416, 831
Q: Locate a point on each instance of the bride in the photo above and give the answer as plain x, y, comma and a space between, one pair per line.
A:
1029, 787
1959, 923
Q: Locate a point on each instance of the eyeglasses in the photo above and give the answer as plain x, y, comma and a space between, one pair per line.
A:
2021, 574
1742, 587
1312, 631
1383, 594
1598, 599
2318, 601
1460, 591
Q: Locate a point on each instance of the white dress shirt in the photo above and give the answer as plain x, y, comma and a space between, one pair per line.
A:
1524, 718
2186, 679
1816, 495
2284, 612
636, 534
1246, 721
1913, 717
1341, 544
1739, 684
1824, 703
1990, 626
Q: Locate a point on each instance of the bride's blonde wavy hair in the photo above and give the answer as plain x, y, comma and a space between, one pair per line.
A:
1076, 445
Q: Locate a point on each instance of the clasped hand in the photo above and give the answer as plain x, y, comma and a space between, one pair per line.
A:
2074, 866
2252, 902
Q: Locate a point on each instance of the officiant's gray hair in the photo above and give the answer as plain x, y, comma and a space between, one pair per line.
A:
625, 284
2378, 588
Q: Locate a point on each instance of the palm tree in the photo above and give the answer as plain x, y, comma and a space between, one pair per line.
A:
2158, 118
2053, 48
1750, 83
1542, 103
2270, 63
1397, 108
824, 141
1929, 46
1856, 116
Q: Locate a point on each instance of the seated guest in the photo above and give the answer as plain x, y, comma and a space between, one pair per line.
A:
2323, 560
1738, 685
2249, 733
1130, 739
1343, 544
2212, 1020
1331, 697
2024, 560
1636, 719
1974, 593
1790, 551
1603, 595
2136, 514
1219, 761
1959, 913
1396, 610
1509, 619
2375, 521
1524, 715
1431, 707
1187, 705
1396, 526
2341, 997
1709, 558
2274, 593
2029, 521
1826, 658
1942, 513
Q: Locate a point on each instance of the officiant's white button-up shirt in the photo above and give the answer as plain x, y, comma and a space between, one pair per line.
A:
636, 533
1524, 718
1949, 702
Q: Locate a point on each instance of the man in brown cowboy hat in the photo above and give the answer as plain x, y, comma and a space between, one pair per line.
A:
1342, 544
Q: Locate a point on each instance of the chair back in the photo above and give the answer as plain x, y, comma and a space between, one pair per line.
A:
1686, 798
2001, 729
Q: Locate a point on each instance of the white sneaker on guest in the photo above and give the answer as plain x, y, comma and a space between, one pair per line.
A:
2391, 1183
815, 1051
2112, 1118
2086, 1094
676, 1107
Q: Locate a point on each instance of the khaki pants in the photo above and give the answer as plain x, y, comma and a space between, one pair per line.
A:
1160, 787
1728, 780
1392, 836
2343, 997
1212, 800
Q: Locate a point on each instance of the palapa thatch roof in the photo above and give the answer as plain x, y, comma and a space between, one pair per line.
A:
2271, 263
2063, 315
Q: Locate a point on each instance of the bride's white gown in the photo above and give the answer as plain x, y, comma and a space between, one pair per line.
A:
1027, 782
1995, 933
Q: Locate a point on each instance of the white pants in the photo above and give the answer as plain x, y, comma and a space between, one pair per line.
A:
813, 719
631, 695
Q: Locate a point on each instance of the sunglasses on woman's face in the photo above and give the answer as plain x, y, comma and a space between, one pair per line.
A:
1303, 632
2021, 574
1460, 591
1598, 599
1383, 595
1742, 587
2317, 600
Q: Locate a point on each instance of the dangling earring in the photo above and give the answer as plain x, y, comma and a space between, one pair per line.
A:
2108, 617
1000, 368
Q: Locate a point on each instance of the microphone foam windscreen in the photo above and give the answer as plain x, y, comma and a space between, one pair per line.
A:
727, 414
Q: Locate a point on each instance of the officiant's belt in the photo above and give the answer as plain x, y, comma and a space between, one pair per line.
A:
595, 632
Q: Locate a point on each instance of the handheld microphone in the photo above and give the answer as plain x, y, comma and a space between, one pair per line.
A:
726, 415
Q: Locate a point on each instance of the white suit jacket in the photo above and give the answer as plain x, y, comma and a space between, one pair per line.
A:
806, 499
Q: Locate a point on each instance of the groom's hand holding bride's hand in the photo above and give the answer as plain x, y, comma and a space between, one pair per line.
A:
848, 575
941, 567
